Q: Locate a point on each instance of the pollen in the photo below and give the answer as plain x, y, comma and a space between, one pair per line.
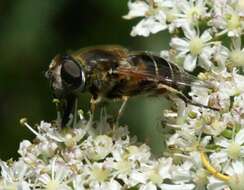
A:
233, 21
234, 150
155, 177
124, 166
237, 57
196, 46
241, 5
100, 174
53, 185
69, 140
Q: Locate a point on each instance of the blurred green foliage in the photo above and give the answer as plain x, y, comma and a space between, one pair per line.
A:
33, 32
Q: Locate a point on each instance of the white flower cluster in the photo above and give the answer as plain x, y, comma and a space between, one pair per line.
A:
206, 38
199, 29
86, 157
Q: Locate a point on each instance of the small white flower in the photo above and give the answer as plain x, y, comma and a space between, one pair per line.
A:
157, 173
200, 94
152, 24
190, 12
155, 17
15, 177
98, 175
236, 173
236, 54
216, 184
177, 187
219, 57
99, 147
194, 48
232, 149
227, 18
136, 9
57, 179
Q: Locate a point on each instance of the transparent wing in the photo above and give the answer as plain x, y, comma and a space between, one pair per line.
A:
164, 75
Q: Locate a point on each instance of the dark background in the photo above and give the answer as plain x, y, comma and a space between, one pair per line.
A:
32, 32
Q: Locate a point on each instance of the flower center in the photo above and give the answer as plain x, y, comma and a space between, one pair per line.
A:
155, 177
10, 187
100, 174
69, 140
233, 22
170, 17
237, 57
234, 150
201, 178
236, 181
124, 167
52, 185
241, 5
196, 46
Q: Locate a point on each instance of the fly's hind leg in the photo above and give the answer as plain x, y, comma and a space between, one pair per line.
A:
182, 96
121, 109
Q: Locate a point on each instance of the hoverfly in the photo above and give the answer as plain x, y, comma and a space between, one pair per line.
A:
113, 72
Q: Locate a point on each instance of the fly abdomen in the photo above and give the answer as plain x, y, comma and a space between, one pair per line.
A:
156, 68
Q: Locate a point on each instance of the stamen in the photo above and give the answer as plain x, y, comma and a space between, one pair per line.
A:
81, 113
23, 122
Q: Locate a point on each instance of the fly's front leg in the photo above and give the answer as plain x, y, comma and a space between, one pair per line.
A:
69, 105
93, 102
75, 112
122, 108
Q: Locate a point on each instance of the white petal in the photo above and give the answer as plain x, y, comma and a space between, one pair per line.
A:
179, 44
5, 171
149, 186
23, 185
242, 151
183, 53
147, 26
137, 9
206, 140
165, 167
238, 80
206, 36
177, 187
113, 185
190, 62
238, 167
223, 142
237, 43
240, 137
189, 31
183, 5
204, 58
138, 177
215, 184
219, 157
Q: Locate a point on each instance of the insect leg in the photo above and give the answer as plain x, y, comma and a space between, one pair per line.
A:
93, 102
75, 112
183, 97
68, 107
122, 108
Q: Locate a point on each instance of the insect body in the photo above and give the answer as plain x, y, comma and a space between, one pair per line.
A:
113, 72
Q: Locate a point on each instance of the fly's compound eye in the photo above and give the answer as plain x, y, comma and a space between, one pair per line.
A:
72, 74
